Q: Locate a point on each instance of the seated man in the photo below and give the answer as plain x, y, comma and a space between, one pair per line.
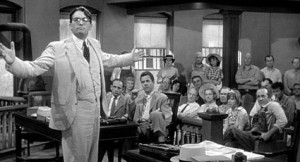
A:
288, 105
165, 87
296, 96
267, 122
117, 102
152, 112
197, 83
191, 108
118, 106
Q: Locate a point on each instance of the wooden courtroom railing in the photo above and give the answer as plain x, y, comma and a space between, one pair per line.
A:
188, 131
9, 106
209, 127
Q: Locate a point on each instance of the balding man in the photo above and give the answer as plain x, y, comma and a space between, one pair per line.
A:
267, 121
248, 77
292, 76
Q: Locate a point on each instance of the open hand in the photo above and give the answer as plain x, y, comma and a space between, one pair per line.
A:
138, 55
9, 55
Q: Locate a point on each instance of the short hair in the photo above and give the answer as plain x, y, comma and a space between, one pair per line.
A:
117, 80
269, 56
277, 85
265, 89
175, 82
129, 79
218, 61
213, 91
295, 59
196, 76
170, 81
236, 94
145, 73
194, 89
86, 12
224, 87
267, 79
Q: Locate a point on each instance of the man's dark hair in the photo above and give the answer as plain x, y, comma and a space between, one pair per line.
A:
86, 12
117, 80
196, 76
295, 58
269, 56
277, 85
296, 84
269, 80
145, 73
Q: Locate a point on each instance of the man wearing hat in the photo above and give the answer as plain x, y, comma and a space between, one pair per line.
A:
213, 74
197, 69
168, 71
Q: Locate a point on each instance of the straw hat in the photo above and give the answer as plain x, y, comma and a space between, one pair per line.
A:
211, 55
208, 86
170, 57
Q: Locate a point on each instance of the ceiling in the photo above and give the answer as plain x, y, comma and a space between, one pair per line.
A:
142, 6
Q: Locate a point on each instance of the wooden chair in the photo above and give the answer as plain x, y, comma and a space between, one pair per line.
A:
39, 98
281, 147
174, 99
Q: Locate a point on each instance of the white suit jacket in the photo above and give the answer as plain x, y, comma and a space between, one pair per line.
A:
58, 57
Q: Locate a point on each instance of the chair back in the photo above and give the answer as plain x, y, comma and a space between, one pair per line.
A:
39, 98
173, 101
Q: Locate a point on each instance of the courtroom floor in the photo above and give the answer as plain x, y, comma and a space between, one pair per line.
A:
39, 151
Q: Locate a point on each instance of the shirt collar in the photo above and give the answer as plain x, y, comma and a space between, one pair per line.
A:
150, 95
79, 42
244, 67
112, 97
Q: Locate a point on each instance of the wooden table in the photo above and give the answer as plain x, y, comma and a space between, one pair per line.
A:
136, 156
107, 132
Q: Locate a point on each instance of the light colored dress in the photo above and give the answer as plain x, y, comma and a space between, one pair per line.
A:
237, 117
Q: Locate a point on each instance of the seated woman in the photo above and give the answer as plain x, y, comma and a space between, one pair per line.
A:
167, 71
223, 106
129, 85
176, 86
237, 115
210, 97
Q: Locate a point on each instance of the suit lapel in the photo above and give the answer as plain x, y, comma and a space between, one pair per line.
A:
99, 55
71, 53
120, 103
153, 101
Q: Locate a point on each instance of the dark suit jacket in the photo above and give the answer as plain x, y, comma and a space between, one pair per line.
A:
121, 107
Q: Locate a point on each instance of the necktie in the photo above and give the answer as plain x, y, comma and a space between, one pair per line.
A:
184, 108
86, 52
113, 106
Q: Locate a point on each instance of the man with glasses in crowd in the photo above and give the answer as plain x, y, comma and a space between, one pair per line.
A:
78, 89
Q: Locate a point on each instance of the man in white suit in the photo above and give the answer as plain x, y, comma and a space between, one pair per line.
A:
78, 89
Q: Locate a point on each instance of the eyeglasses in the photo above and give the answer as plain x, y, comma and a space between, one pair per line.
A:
77, 20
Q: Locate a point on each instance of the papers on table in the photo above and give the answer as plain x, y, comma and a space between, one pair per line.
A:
217, 152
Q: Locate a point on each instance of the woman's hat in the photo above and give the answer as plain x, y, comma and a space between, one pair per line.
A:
169, 57
208, 86
211, 55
